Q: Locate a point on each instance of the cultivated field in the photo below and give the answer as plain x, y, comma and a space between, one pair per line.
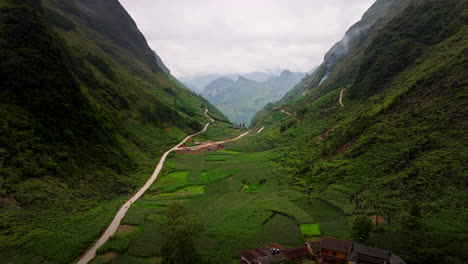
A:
239, 195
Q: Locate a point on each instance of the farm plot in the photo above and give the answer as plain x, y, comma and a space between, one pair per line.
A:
332, 221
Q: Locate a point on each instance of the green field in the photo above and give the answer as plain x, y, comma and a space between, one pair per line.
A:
310, 230
239, 195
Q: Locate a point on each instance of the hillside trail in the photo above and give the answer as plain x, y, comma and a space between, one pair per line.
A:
211, 144
112, 228
260, 130
284, 111
341, 97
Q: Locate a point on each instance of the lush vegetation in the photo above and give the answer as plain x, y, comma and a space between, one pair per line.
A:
238, 195
86, 113
395, 153
83, 120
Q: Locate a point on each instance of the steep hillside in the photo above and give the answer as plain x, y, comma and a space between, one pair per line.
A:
86, 112
355, 38
382, 131
240, 100
161, 64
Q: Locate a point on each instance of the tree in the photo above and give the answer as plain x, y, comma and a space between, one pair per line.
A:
179, 231
362, 225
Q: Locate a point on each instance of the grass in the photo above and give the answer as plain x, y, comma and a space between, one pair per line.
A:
253, 188
215, 175
119, 243
227, 151
189, 190
216, 157
310, 230
281, 229
204, 176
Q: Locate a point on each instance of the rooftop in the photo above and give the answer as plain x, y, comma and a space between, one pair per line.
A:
296, 253
335, 244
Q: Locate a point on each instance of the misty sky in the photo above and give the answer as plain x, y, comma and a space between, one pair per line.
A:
236, 36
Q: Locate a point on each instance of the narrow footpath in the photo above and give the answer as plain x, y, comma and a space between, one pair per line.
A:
260, 130
112, 228
341, 97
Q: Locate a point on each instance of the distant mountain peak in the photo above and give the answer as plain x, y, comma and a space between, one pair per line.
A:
242, 98
285, 73
243, 79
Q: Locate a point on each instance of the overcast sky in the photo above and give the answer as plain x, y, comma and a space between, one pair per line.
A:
195, 37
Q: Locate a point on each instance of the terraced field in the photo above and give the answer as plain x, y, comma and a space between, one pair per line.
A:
240, 197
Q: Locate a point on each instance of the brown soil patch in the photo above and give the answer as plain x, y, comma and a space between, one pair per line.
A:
125, 229
110, 255
230, 178
342, 149
8, 200
157, 191
200, 148
325, 134
377, 219
312, 239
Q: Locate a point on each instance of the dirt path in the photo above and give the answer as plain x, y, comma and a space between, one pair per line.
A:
112, 228
211, 145
260, 130
341, 97
286, 112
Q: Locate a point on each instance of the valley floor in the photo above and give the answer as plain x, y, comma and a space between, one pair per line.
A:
239, 195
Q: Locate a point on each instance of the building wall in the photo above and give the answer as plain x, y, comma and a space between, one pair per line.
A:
334, 253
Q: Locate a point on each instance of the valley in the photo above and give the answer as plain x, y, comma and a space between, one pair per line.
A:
239, 100
107, 157
240, 196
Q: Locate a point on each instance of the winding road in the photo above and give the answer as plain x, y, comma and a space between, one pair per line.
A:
112, 228
207, 145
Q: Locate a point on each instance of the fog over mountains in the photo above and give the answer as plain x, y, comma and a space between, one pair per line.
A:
241, 98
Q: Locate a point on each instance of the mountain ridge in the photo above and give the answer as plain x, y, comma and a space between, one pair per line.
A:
81, 124
242, 98
383, 134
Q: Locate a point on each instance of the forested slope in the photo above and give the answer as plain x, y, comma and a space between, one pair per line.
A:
85, 113
397, 149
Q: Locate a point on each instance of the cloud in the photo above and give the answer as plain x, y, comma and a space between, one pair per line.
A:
225, 36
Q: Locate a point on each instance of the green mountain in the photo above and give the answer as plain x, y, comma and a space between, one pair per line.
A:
394, 146
240, 100
198, 82
85, 113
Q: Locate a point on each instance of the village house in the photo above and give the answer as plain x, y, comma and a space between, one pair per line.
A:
327, 250
367, 255
332, 250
